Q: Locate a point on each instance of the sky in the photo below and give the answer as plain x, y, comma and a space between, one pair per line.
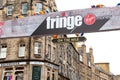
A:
106, 45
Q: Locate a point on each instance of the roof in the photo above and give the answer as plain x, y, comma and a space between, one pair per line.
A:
99, 68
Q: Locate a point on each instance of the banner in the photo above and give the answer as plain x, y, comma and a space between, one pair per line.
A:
68, 40
64, 22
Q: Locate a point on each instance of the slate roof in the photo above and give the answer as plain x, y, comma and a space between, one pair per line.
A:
99, 68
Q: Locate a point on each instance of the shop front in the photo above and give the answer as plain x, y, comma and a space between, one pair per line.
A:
34, 70
13, 71
44, 71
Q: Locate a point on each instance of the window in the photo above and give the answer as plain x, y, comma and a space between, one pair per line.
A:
81, 57
37, 48
9, 10
38, 7
49, 48
49, 51
21, 49
52, 74
54, 54
3, 51
24, 8
89, 64
17, 72
7, 75
48, 74
19, 75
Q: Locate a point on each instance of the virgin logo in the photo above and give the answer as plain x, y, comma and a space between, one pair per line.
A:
89, 19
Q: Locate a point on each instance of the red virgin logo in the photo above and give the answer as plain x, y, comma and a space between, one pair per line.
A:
89, 19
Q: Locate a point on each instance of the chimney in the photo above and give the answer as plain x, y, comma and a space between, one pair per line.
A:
91, 54
84, 54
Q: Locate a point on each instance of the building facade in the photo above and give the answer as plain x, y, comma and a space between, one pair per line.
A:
11, 9
37, 57
116, 77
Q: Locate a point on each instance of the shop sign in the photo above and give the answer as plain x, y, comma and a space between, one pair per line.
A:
12, 64
52, 66
67, 40
36, 62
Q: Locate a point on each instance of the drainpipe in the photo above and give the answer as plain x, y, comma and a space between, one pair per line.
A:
31, 1
29, 48
29, 55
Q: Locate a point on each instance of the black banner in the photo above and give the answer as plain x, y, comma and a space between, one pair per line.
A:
68, 40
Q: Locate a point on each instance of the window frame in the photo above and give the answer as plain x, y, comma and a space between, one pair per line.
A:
38, 5
11, 10
80, 57
38, 47
24, 7
9, 71
21, 46
49, 51
4, 51
89, 63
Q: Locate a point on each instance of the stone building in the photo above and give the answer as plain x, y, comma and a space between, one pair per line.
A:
37, 57
116, 77
10, 9
26, 58
102, 74
98, 71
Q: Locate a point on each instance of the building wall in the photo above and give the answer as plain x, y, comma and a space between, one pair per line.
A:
61, 60
47, 5
116, 77
104, 66
101, 75
29, 58
67, 58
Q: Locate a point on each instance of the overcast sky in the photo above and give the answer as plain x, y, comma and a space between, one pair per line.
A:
106, 45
